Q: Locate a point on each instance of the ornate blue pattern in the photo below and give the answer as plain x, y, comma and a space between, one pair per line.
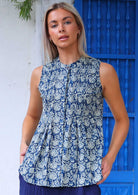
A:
67, 147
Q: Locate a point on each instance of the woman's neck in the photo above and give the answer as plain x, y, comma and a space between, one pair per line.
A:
67, 57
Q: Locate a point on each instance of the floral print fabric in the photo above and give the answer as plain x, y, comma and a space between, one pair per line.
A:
67, 146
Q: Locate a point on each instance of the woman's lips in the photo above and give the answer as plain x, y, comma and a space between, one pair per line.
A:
63, 38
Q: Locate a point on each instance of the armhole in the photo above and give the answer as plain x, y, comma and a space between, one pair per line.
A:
40, 81
100, 62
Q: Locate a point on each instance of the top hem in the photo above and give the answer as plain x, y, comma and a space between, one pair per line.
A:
58, 186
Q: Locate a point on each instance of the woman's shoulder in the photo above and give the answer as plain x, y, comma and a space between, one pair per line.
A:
37, 71
36, 74
108, 74
107, 69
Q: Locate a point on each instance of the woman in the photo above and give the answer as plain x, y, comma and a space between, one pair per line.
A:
62, 135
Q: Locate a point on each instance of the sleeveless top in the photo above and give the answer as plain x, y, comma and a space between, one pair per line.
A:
67, 146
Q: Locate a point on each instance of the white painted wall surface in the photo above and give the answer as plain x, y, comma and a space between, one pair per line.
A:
20, 53
16, 52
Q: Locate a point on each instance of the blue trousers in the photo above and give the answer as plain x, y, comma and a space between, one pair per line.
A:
30, 189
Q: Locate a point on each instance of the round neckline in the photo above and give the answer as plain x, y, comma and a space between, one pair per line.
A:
68, 65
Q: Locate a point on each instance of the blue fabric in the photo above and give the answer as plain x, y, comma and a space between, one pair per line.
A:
67, 147
30, 189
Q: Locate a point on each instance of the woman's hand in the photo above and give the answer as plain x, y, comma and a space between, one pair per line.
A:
23, 150
106, 168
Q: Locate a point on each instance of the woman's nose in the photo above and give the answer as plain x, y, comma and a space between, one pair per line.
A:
61, 28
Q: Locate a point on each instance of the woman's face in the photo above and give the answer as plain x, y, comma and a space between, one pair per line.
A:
63, 29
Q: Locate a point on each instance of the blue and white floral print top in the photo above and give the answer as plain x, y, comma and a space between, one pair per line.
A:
67, 146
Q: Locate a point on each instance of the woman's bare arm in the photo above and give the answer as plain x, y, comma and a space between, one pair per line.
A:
33, 113
113, 97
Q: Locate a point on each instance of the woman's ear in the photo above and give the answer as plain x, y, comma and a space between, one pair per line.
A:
49, 38
79, 33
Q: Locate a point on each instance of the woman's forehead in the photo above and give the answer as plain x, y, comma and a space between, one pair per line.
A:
59, 14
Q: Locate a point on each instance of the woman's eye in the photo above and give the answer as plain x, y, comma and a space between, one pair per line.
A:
67, 22
54, 25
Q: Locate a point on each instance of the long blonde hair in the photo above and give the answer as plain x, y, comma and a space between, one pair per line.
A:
50, 49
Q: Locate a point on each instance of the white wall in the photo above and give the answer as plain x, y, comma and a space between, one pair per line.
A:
20, 53
16, 46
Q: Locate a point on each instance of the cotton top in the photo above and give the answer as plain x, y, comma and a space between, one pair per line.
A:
67, 146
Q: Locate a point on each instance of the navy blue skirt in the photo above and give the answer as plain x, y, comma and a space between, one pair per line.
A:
30, 189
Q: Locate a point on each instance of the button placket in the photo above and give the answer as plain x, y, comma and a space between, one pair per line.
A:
64, 110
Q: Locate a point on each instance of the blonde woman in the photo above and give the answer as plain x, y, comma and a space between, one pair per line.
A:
62, 137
